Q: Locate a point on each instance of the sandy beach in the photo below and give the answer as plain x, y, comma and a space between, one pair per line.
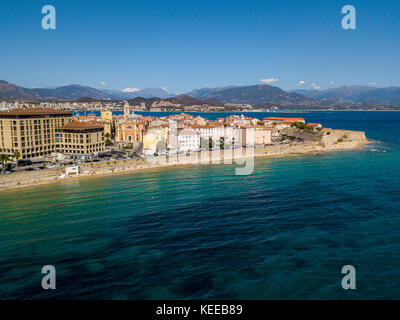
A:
241, 157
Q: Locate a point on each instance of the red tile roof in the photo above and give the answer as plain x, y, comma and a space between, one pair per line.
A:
81, 125
34, 111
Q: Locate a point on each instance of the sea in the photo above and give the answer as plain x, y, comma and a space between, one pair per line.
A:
201, 232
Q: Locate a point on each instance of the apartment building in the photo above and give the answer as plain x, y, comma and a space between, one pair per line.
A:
80, 140
30, 131
188, 140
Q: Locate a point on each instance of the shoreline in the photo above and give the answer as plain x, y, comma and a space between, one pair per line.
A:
229, 156
236, 112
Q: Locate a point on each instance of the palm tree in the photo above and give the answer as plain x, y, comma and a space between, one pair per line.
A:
17, 155
108, 141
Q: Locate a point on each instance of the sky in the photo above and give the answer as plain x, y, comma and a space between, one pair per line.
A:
185, 45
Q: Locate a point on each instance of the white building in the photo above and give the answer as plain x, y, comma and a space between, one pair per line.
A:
188, 140
229, 134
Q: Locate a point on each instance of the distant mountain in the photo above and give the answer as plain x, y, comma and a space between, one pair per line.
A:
189, 101
84, 100
199, 93
258, 95
71, 92
144, 93
74, 91
154, 92
10, 90
180, 99
357, 95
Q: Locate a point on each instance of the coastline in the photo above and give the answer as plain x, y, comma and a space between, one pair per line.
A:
107, 168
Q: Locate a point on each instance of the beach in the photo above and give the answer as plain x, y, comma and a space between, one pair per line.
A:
98, 169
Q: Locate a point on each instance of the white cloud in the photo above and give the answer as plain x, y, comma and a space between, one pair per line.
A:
331, 82
130, 90
165, 89
315, 86
372, 83
103, 83
308, 84
269, 80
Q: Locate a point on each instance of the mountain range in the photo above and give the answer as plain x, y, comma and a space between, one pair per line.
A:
257, 95
144, 93
181, 99
353, 95
74, 91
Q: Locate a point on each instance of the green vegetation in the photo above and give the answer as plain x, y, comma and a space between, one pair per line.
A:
287, 137
222, 142
17, 155
302, 126
108, 141
339, 140
4, 159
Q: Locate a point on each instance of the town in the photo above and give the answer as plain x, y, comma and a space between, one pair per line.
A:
41, 145
46, 135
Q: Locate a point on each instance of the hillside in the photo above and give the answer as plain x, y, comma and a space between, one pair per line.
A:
181, 99
71, 92
357, 95
258, 95
10, 90
188, 101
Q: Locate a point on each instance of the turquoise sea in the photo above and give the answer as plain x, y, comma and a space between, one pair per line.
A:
201, 232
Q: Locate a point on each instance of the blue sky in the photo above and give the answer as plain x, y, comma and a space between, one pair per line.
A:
182, 45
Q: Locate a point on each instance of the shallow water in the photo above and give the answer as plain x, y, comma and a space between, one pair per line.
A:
202, 232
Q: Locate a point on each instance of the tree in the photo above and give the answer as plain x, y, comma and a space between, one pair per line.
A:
108, 142
3, 160
210, 143
17, 155
221, 142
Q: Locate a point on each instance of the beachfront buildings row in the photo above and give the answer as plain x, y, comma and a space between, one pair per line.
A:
44, 132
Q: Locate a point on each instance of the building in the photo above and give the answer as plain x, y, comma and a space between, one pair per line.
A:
129, 130
81, 140
130, 127
253, 136
188, 140
107, 121
154, 141
31, 132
